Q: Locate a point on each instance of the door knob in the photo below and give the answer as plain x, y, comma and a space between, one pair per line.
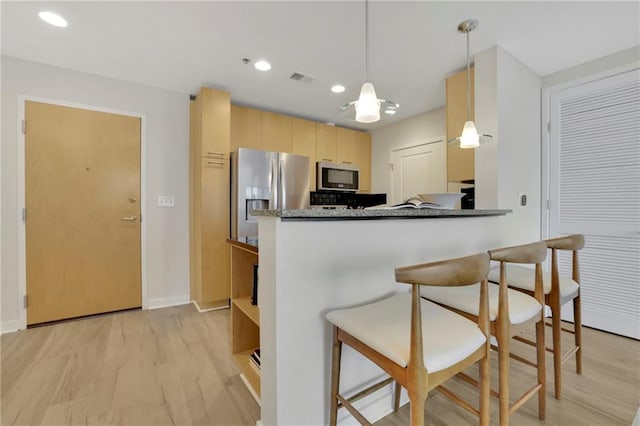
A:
128, 219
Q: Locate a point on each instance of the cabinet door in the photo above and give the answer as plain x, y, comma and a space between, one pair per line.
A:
363, 141
246, 125
346, 146
460, 162
304, 143
216, 122
326, 138
276, 132
214, 209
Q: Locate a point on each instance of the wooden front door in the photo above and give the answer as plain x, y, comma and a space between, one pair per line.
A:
82, 196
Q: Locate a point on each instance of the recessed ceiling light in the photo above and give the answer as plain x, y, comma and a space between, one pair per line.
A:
53, 19
262, 65
338, 88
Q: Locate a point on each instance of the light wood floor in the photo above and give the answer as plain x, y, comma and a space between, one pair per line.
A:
167, 366
173, 366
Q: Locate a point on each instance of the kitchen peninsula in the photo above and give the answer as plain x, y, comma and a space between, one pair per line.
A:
314, 261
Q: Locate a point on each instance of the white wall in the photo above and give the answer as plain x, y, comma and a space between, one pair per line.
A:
167, 160
508, 107
620, 59
413, 131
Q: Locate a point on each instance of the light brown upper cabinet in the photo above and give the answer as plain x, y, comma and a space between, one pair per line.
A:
346, 146
326, 140
215, 129
246, 128
460, 162
363, 141
304, 143
276, 132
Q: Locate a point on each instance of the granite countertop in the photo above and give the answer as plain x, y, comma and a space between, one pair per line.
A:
348, 214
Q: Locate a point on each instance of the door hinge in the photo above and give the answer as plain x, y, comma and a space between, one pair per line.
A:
140, 217
26, 301
548, 126
548, 204
390, 166
24, 127
24, 214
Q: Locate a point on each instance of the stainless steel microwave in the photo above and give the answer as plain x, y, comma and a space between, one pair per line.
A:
337, 177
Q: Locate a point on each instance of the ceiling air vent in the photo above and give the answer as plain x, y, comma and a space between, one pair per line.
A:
297, 76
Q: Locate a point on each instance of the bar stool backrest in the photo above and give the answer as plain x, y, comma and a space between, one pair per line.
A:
458, 272
527, 253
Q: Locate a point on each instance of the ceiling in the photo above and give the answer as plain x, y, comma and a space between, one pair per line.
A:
181, 46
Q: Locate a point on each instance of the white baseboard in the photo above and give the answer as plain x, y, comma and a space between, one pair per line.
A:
210, 309
9, 326
165, 302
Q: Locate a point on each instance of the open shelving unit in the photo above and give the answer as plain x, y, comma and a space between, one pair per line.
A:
245, 317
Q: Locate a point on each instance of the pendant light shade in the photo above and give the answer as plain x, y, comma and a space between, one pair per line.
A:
367, 108
470, 137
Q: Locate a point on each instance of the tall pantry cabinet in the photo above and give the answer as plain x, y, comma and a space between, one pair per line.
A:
210, 128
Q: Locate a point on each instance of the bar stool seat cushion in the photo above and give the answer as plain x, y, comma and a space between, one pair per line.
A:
522, 307
385, 326
524, 278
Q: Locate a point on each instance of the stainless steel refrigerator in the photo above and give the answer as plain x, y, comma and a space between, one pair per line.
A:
265, 180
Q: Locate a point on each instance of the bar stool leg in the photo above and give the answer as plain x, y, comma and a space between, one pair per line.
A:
557, 351
542, 375
577, 324
485, 389
416, 400
335, 376
502, 337
396, 400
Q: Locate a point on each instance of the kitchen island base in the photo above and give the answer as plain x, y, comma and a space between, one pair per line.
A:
310, 267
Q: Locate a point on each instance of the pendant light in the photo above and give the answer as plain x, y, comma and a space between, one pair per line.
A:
367, 108
470, 137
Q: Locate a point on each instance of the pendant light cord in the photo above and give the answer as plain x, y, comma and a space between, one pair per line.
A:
468, 81
366, 39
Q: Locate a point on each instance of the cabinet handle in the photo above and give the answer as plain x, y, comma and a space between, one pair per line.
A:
346, 162
213, 153
327, 159
128, 219
216, 163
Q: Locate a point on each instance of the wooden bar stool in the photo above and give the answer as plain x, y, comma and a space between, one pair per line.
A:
418, 343
558, 290
509, 311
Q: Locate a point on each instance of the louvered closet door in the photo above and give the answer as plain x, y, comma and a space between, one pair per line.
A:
595, 190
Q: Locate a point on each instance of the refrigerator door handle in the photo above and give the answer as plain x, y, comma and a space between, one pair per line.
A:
282, 193
273, 181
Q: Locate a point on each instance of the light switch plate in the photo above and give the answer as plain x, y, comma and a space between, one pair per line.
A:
166, 201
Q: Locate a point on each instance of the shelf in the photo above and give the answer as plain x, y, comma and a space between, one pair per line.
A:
242, 360
252, 311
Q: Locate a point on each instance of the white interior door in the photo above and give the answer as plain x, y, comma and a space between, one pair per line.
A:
418, 170
594, 189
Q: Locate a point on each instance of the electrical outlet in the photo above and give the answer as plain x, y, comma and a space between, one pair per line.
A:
166, 201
